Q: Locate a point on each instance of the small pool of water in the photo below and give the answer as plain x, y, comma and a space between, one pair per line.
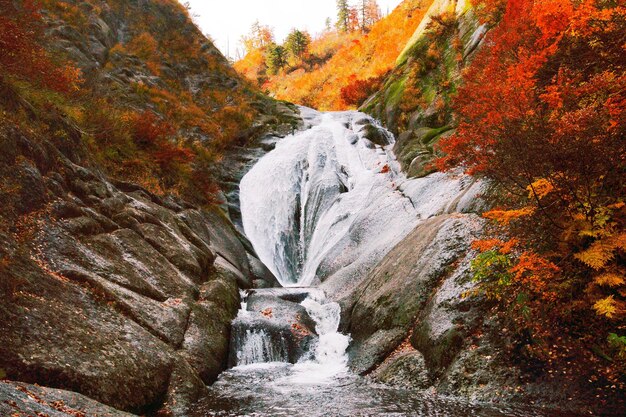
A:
280, 389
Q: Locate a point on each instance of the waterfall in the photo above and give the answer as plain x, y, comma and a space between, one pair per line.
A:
328, 201
256, 346
330, 358
257, 341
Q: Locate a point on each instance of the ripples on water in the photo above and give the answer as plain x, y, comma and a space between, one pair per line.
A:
278, 390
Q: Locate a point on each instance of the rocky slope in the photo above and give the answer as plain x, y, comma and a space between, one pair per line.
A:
108, 289
414, 325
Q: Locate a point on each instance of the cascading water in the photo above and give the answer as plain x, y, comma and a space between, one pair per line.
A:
251, 343
325, 205
329, 201
254, 340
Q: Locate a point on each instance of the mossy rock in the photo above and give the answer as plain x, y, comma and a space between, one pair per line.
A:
415, 149
376, 135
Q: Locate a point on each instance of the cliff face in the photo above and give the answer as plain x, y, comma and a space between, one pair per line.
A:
415, 100
159, 105
115, 281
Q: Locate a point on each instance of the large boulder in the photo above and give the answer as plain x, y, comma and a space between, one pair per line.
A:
385, 308
406, 370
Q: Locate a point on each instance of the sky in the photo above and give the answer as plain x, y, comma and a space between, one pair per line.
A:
225, 21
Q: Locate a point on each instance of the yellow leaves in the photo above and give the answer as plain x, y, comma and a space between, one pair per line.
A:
608, 307
610, 279
597, 256
506, 216
540, 188
602, 251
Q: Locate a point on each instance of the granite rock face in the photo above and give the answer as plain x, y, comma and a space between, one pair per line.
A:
109, 290
417, 282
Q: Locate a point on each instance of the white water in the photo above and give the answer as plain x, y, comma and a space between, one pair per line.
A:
253, 344
320, 207
327, 201
330, 358
327, 358
258, 347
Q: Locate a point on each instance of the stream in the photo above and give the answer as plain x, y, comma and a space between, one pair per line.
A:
321, 209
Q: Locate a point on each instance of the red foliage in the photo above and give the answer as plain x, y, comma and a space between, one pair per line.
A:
357, 91
541, 112
148, 130
529, 110
170, 153
22, 55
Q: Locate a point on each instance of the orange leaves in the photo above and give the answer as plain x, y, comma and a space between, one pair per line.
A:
144, 46
540, 188
541, 113
324, 79
610, 279
552, 17
507, 216
483, 245
535, 272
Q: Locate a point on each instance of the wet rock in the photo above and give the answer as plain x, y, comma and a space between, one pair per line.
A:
186, 389
212, 226
262, 276
63, 335
401, 287
115, 293
228, 269
375, 135
366, 354
281, 310
406, 370
274, 329
30, 186
174, 247
83, 226
67, 210
208, 332
17, 398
